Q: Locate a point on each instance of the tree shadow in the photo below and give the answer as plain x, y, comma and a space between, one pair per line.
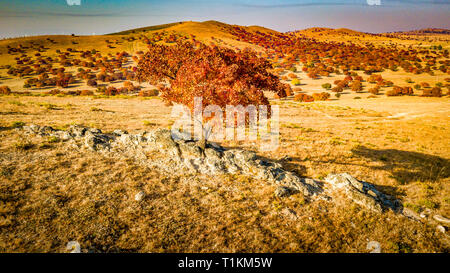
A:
406, 166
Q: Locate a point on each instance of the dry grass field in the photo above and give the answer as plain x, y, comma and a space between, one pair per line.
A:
51, 194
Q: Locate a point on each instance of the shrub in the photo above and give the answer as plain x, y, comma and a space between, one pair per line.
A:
17, 124
92, 83
23, 145
111, 91
149, 93
356, 86
54, 92
303, 98
295, 82
374, 90
337, 89
86, 93
399, 91
5, 90
433, 92
288, 90
297, 89
321, 96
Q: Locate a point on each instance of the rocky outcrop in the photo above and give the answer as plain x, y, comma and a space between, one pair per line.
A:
181, 156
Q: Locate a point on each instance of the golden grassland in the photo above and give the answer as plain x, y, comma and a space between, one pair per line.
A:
52, 194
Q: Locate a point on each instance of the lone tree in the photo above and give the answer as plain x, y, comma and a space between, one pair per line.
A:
219, 75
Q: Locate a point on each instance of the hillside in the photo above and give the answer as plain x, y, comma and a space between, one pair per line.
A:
363, 159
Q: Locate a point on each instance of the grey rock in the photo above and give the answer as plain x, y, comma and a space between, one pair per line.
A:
186, 156
441, 219
441, 229
119, 132
139, 196
290, 214
73, 247
374, 247
362, 193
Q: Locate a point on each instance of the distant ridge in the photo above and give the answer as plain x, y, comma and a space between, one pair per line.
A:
423, 31
143, 29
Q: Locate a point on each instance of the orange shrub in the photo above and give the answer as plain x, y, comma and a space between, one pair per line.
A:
321, 96
399, 91
92, 83
86, 93
288, 90
111, 91
433, 92
337, 89
149, 93
356, 86
374, 90
303, 98
5, 90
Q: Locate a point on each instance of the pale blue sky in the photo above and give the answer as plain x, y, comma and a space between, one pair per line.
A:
34, 17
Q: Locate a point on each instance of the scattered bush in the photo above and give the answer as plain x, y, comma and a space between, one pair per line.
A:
326, 86
295, 82
17, 124
23, 145
149, 93
303, 98
433, 92
321, 96
86, 93
5, 90
111, 91
399, 91
337, 89
374, 90
356, 86
92, 83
